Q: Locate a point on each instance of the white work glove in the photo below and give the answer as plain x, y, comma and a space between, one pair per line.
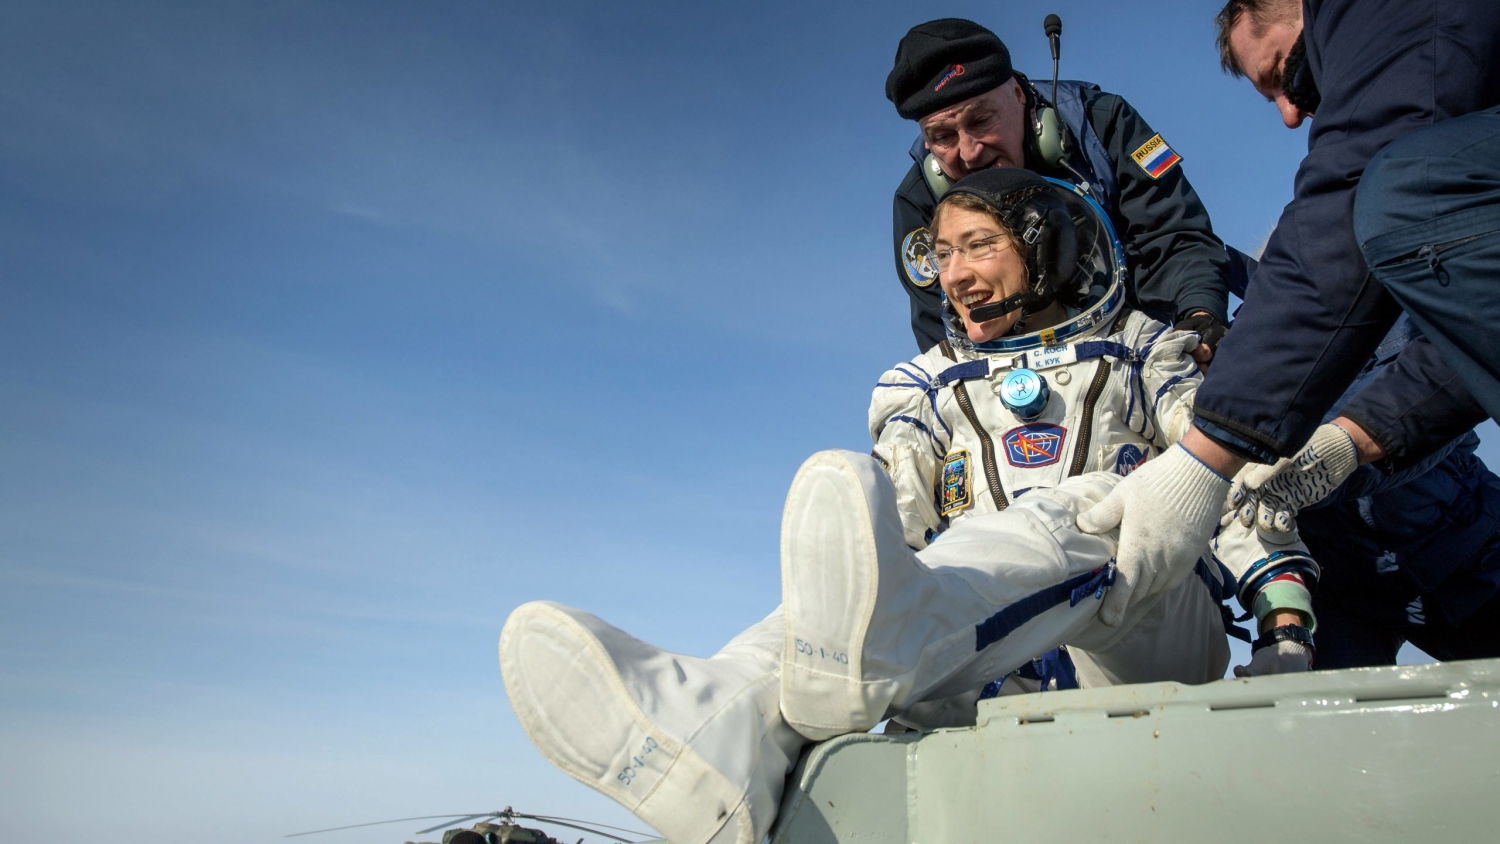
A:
1166, 511
1280, 658
1272, 495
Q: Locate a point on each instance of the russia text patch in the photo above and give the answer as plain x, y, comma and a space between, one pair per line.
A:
1155, 157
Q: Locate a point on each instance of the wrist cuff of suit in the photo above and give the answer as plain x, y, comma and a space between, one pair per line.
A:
1281, 568
1284, 596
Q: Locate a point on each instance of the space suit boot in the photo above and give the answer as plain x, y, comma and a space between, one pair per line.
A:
841, 548
694, 747
873, 628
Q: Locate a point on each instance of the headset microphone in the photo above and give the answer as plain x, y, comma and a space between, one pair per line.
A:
1050, 138
995, 310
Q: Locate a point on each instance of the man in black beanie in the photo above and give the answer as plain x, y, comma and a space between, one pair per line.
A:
954, 77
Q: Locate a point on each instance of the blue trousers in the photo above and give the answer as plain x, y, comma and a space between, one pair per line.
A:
1427, 218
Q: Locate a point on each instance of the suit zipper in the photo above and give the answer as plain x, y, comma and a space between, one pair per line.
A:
1081, 445
986, 447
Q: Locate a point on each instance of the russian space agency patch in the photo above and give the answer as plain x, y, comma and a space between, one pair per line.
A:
953, 494
916, 257
1155, 157
1129, 459
1031, 446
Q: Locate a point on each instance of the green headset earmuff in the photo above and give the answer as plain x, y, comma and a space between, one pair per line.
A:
1046, 131
1051, 142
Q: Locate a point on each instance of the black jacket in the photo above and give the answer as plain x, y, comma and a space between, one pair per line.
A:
1179, 265
1314, 314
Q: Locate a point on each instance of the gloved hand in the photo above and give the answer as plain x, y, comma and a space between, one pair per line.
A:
1272, 495
1210, 331
1280, 658
1166, 511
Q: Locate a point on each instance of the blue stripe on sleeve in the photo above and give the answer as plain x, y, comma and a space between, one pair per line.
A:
937, 446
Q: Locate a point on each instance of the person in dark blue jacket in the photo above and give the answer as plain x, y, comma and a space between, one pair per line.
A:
1411, 557
954, 78
1372, 71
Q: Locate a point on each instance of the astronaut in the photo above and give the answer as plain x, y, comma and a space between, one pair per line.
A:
947, 558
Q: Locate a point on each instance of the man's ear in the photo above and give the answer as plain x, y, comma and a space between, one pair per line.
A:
1017, 90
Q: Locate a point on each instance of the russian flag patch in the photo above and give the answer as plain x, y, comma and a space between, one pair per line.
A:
1155, 157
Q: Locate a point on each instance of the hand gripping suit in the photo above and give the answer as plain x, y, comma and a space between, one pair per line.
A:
905, 583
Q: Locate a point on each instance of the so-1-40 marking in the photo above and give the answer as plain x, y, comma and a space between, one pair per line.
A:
627, 776
805, 647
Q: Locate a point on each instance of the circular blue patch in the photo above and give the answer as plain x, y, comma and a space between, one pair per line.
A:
916, 257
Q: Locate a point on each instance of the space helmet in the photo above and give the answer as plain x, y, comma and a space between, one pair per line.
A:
1071, 253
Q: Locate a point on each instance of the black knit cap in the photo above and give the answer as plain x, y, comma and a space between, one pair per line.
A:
944, 62
999, 187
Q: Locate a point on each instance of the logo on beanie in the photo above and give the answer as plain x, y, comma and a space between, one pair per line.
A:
958, 70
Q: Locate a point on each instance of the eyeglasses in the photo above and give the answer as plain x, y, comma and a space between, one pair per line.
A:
976, 250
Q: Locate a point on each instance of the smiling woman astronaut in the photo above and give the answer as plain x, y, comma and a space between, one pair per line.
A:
949, 557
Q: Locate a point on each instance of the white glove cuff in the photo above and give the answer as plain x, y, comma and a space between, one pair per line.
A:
1335, 447
1192, 488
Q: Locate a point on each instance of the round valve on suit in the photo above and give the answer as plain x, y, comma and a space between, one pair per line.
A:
1025, 393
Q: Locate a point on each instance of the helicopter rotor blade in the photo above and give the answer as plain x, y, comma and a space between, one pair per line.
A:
584, 828
455, 822
575, 820
378, 823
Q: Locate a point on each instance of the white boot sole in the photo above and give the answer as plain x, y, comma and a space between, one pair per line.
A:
830, 577
575, 707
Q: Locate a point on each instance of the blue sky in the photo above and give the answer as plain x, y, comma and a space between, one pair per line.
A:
330, 332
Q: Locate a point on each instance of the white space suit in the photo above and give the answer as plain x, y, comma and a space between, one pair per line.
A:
909, 578
1121, 392
871, 628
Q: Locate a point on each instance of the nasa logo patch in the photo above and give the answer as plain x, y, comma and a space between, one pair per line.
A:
953, 495
1031, 446
1129, 458
916, 258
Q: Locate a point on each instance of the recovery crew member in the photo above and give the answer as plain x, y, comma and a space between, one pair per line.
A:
954, 77
1411, 557
1373, 71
